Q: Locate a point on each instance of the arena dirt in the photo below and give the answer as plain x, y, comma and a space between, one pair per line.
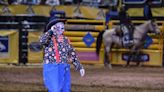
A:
98, 79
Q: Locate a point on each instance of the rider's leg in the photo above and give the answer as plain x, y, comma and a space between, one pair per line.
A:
131, 28
126, 34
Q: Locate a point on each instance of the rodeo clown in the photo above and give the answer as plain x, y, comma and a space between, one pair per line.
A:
57, 52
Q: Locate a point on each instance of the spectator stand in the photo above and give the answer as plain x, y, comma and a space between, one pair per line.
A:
140, 3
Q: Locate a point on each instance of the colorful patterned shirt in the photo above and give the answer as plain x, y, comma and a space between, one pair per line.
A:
66, 51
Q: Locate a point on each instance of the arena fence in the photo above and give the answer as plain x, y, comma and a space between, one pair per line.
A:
24, 47
16, 35
9, 46
35, 50
77, 31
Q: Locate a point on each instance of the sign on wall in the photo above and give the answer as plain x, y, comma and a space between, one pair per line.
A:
4, 46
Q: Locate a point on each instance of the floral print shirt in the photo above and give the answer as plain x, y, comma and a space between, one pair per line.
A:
66, 51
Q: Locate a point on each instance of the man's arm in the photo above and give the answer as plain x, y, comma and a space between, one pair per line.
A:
45, 38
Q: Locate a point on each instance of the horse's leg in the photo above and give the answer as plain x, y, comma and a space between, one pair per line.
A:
106, 57
131, 54
138, 61
129, 59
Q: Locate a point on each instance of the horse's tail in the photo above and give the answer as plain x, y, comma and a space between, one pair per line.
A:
99, 42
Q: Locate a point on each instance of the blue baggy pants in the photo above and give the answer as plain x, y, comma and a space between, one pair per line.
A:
57, 77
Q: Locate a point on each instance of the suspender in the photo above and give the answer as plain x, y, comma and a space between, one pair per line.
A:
56, 50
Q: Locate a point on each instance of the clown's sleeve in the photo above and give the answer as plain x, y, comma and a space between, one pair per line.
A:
45, 38
74, 58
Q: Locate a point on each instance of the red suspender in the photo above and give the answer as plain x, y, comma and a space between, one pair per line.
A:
56, 50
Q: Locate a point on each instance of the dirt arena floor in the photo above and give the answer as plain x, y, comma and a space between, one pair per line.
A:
98, 79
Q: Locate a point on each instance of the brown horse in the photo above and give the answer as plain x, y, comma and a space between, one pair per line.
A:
110, 37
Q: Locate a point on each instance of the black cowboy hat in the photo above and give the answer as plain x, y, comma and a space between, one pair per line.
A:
53, 22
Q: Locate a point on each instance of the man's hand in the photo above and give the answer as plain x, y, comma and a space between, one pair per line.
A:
53, 29
82, 72
50, 32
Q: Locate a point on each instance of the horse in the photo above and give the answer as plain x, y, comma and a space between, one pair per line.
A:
110, 37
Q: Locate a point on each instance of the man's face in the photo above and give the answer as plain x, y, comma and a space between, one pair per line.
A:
58, 28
